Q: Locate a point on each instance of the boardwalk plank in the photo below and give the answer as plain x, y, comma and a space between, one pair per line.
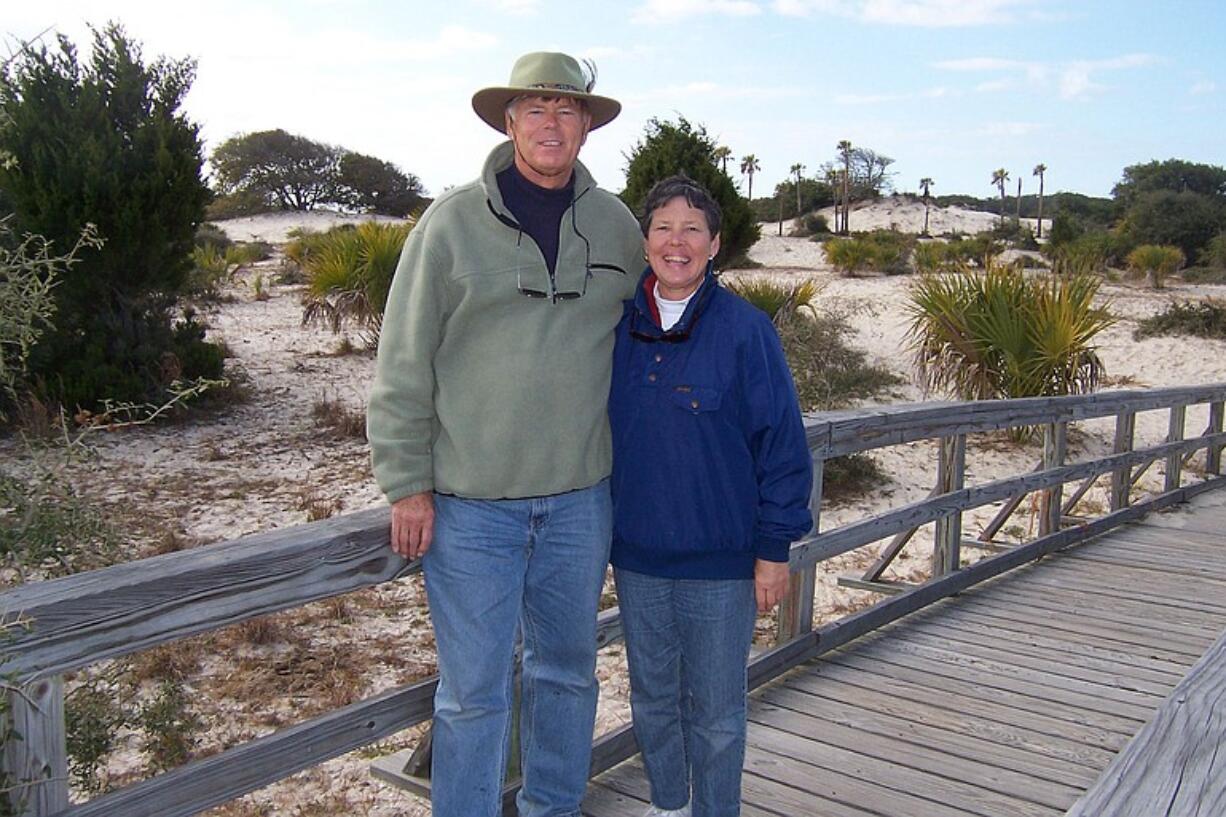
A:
1018, 735
824, 733
993, 714
1025, 638
1041, 676
962, 688
1075, 700
1175, 765
1194, 621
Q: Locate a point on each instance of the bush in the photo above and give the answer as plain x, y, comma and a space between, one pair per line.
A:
1186, 220
171, 727
777, 299
1001, 334
349, 274
104, 142
1155, 263
237, 205
811, 224
1204, 275
1214, 253
931, 257
210, 235
885, 251
667, 149
1089, 252
1206, 319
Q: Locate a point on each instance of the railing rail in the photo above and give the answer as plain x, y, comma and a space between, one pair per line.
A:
78, 620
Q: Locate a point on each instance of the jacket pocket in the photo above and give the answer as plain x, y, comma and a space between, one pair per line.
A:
695, 399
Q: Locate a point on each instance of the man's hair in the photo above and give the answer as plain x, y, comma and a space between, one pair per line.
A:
682, 186
581, 103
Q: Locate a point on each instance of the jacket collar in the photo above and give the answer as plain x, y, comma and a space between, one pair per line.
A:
502, 157
645, 315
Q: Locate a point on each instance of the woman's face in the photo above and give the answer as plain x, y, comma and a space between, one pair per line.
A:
678, 245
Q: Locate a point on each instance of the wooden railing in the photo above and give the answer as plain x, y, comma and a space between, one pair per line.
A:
81, 619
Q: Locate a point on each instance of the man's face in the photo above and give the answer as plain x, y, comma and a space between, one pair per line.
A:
547, 134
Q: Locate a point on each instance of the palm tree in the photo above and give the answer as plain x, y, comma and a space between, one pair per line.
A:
722, 154
1039, 170
925, 184
999, 177
1017, 216
798, 169
832, 179
750, 166
845, 152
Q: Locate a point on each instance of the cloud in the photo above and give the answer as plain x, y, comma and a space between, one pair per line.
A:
672, 11
920, 13
517, 7
1074, 79
1201, 88
880, 99
1010, 128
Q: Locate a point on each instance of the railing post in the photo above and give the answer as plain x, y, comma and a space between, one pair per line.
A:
1055, 443
796, 611
951, 473
35, 754
1213, 455
1174, 462
1121, 478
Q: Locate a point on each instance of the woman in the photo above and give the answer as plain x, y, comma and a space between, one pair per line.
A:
711, 481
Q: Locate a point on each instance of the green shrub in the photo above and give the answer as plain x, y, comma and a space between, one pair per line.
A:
349, 274
210, 235
1002, 334
812, 224
884, 251
171, 727
932, 257
237, 205
979, 250
92, 720
850, 256
1214, 253
777, 299
104, 141
1205, 319
1155, 263
1204, 275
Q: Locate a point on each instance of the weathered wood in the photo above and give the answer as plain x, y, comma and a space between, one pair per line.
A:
35, 755
1121, 478
840, 540
1174, 462
1213, 457
833, 434
951, 476
878, 586
1175, 764
1055, 445
796, 611
202, 784
991, 547
129, 607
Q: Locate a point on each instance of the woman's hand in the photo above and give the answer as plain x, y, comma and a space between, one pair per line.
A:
770, 583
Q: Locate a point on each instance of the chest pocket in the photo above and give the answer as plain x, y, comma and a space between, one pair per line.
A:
695, 399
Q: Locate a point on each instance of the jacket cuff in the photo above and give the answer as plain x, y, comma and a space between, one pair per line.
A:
772, 550
400, 492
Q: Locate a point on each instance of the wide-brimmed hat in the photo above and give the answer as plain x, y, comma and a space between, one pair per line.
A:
544, 73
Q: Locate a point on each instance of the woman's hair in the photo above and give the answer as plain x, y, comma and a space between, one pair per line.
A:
682, 186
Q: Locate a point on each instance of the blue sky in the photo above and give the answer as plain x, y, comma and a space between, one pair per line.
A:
951, 89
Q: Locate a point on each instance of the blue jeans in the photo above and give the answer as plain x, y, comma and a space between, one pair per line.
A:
687, 643
498, 568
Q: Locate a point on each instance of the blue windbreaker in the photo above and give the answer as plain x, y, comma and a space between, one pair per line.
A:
710, 466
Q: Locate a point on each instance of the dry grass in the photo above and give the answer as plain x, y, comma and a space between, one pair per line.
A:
338, 419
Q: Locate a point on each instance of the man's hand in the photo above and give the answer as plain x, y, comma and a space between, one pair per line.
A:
413, 524
770, 583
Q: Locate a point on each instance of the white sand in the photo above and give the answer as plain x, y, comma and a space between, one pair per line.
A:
255, 466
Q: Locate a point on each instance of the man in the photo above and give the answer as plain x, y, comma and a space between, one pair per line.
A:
490, 437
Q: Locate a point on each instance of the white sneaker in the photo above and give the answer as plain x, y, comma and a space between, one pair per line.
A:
656, 811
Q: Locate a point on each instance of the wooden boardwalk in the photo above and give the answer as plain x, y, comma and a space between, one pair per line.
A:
1009, 700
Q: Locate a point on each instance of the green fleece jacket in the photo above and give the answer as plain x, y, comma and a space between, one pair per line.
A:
481, 391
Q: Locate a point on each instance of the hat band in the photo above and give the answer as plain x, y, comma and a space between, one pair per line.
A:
557, 86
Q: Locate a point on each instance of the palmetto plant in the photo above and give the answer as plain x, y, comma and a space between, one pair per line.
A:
750, 166
780, 301
349, 274
999, 334
844, 148
722, 154
1155, 263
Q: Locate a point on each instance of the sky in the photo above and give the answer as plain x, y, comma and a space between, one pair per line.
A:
950, 89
